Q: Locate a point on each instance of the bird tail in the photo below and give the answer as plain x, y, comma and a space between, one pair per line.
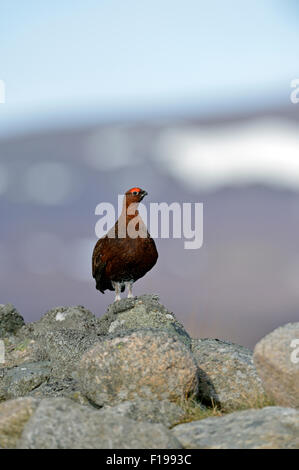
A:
99, 277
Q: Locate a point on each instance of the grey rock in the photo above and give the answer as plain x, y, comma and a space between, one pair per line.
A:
139, 313
228, 376
13, 416
152, 411
62, 424
267, 428
19, 350
10, 320
146, 363
75, 318
25, 333
60, 336
64, 349
53, 388
276, 358
19, 381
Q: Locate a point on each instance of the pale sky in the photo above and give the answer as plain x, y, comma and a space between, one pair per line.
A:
68, 58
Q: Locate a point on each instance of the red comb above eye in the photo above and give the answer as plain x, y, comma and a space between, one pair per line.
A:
133, 190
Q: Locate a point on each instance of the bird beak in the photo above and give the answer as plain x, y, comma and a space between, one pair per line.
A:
143, 194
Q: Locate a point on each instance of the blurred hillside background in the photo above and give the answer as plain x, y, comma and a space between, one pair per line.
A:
189, 100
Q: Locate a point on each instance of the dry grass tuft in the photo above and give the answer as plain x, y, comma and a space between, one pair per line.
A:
195, 411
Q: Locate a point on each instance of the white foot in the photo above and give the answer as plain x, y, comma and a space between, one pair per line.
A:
129, 286
117, 291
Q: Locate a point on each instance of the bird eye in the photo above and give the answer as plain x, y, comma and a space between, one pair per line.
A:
135, 193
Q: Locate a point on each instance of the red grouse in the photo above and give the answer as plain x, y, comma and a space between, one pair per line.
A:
127, 252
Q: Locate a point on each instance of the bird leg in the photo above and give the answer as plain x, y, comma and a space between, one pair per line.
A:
129, 286
116, 286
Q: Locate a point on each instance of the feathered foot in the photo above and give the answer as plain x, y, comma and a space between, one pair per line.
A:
129, 286
116, 286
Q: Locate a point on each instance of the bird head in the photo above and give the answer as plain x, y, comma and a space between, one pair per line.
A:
135, 195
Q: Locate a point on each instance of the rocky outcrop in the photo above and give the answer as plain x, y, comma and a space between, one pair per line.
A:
277, 361
145, 363
19, 350
19, 381
59, 423
54, 388
139, 313
132, 377
75, 318
152, 411
62, 331
14, 414
64, 348
268, 428
10, 320
228, 376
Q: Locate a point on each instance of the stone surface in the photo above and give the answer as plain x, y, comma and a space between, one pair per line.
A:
18, 351
75, 318
228, 375
10, 320
277, 361
152, 411
145, 363
267, 428
137, 362
139, 313
19, 381
13, 416
64, 348
53, 388
62, 424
